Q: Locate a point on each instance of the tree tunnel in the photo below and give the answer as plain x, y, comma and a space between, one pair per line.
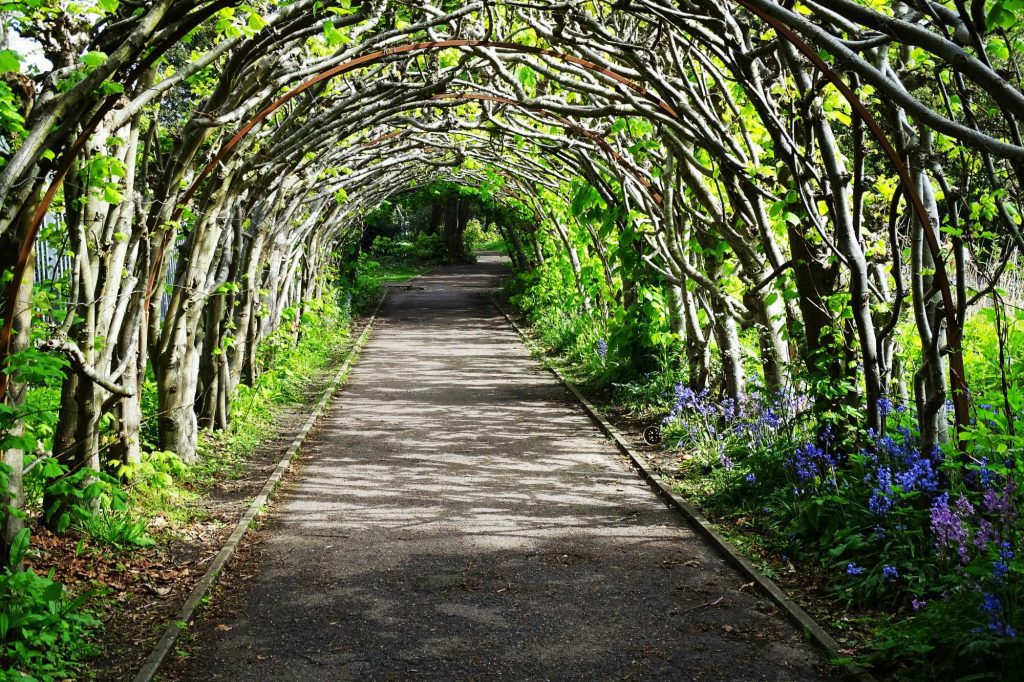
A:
839, 182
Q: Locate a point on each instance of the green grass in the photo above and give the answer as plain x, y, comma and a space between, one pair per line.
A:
495, 244
401, 271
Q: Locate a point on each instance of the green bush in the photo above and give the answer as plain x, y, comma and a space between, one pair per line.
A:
428, 247
44, 633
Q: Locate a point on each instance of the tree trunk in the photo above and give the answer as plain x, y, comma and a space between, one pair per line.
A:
14, 495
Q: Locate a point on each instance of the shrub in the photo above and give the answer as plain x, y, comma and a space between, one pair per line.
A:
44, 633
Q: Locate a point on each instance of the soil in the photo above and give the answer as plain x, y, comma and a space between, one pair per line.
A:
457, 516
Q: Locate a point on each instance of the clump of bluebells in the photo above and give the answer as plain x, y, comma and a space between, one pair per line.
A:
723, 429
934, 535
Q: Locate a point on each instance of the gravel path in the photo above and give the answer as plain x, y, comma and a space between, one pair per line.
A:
457, 517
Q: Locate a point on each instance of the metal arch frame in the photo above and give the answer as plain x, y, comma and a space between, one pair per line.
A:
365, 60
68, 157
956, 369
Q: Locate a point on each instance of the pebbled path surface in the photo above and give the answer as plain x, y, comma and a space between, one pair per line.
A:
457, 517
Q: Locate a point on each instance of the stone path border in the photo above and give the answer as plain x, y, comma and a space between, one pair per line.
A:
166, 644
700, 523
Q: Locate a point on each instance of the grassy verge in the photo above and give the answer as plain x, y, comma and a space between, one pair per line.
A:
91, 577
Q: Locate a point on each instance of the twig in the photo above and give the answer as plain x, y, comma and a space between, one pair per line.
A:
707, 603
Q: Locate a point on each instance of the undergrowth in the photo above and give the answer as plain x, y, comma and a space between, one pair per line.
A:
47, 630
913, 556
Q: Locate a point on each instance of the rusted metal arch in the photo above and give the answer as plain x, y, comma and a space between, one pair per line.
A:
401, 132
957, 374
365, 60
64, 166
622, 161
566, 123
378, 56
619, 159
108, 104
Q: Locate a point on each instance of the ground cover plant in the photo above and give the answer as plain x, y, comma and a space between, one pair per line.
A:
48, 631
793, 229
919, 547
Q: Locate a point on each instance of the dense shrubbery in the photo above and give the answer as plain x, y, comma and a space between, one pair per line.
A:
426, 249
44, 633
934, 536
420, 247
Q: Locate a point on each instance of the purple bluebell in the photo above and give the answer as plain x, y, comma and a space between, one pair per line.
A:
948, 526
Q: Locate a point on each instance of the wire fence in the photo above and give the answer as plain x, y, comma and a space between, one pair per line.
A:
55, 263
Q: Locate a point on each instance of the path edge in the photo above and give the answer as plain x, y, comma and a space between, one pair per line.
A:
181, 621
698, 521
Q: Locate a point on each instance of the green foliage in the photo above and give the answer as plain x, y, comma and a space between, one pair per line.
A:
475, 239
44, 632
930, 537
117, 528
810, 487
94, 502
423, 248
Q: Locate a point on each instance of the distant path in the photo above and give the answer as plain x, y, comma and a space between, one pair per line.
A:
457, 517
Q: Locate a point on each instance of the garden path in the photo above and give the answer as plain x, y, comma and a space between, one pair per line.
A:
457, 516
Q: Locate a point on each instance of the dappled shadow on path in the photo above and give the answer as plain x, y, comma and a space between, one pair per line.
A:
456, 517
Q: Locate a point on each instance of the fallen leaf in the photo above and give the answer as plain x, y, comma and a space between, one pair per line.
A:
158, 590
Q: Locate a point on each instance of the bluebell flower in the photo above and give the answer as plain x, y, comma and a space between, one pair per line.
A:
885, 407
853, 569
890, 573
809, 462
751, 478
948, 526
602, 349
882, 496
985, 475
993, 608
1001, 566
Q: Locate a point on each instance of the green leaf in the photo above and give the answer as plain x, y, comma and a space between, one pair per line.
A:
255, 22
111, 88
332, 35
19, 546
111, 195
93, 59
9, 61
